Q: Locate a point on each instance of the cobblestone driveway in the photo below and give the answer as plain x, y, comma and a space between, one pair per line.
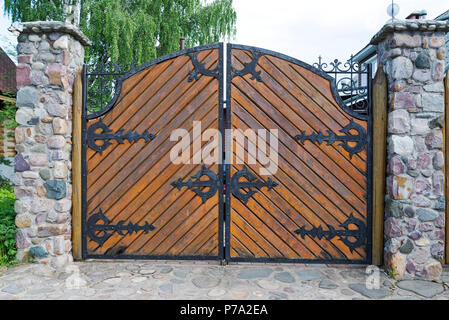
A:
191, 280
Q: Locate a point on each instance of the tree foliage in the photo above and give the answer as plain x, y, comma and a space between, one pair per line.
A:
138, 29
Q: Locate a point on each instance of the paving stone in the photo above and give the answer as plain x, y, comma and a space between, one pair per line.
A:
180, 274
307, 275
240, 294
280, 295
13, 289
285, 277
167, 288
424, 288
370, 293
177, 281
268, 284
147, 271
347, 292
166, 270
216, 292
327, 284
255, 273
112, 281
40, 291
123, 292
258, 293
353, 274
139, 279
205, 282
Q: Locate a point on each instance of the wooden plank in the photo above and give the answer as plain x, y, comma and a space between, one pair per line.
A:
380, 120
446, 159
76, 166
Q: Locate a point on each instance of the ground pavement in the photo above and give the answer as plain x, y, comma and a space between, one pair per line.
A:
200, 280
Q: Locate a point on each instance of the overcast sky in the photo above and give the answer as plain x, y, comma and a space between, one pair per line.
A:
305, 29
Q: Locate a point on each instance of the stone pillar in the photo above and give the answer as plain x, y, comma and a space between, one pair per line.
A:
49, 54
412, 53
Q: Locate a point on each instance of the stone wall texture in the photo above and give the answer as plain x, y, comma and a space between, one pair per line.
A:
48, 59
414, 61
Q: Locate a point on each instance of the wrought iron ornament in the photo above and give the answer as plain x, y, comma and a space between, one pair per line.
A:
93, 227
352, 80
249, 68
343, 234
105, 135
360, 138
197, 184
200, 68
252, 184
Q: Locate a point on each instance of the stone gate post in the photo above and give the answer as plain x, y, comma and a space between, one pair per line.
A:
49, 55
412, 53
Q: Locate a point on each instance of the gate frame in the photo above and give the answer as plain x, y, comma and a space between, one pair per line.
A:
369, 162
85, 117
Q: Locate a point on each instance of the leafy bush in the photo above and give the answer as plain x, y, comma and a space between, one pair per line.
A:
7, 226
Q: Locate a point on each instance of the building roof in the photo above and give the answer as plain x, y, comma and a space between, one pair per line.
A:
7, 73
443, 16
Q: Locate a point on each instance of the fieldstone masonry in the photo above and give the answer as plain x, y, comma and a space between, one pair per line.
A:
413, 55
49, 55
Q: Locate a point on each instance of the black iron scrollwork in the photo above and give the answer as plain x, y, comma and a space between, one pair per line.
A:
249, 68
197, 184
199, 68
344, 234
331, 137
252, 184
93, 227
105, 135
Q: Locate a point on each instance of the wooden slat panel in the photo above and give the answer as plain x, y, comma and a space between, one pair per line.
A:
76, 167
131, 182
446, 159
319, 185
380, 120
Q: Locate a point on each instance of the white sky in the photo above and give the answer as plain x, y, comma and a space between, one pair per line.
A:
306, 29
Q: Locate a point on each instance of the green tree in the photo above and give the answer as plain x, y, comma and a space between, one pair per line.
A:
138, 29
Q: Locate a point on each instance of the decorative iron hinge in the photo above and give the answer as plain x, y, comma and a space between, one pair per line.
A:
359, 138
200, 68
105, 136
93, 227
197, 184
249, 67
252, 184
344, 235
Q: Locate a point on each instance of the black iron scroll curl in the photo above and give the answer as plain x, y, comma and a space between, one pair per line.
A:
93, 227
344, 234
105, 135
252, 184
200, 68
197, 184
360, 138
249, 68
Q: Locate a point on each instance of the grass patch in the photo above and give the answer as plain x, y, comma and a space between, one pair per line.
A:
7, 225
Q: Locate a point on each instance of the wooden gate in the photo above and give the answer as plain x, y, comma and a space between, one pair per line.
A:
307, 198
138, 203
315, 207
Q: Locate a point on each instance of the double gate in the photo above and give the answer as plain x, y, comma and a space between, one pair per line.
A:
280, 171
